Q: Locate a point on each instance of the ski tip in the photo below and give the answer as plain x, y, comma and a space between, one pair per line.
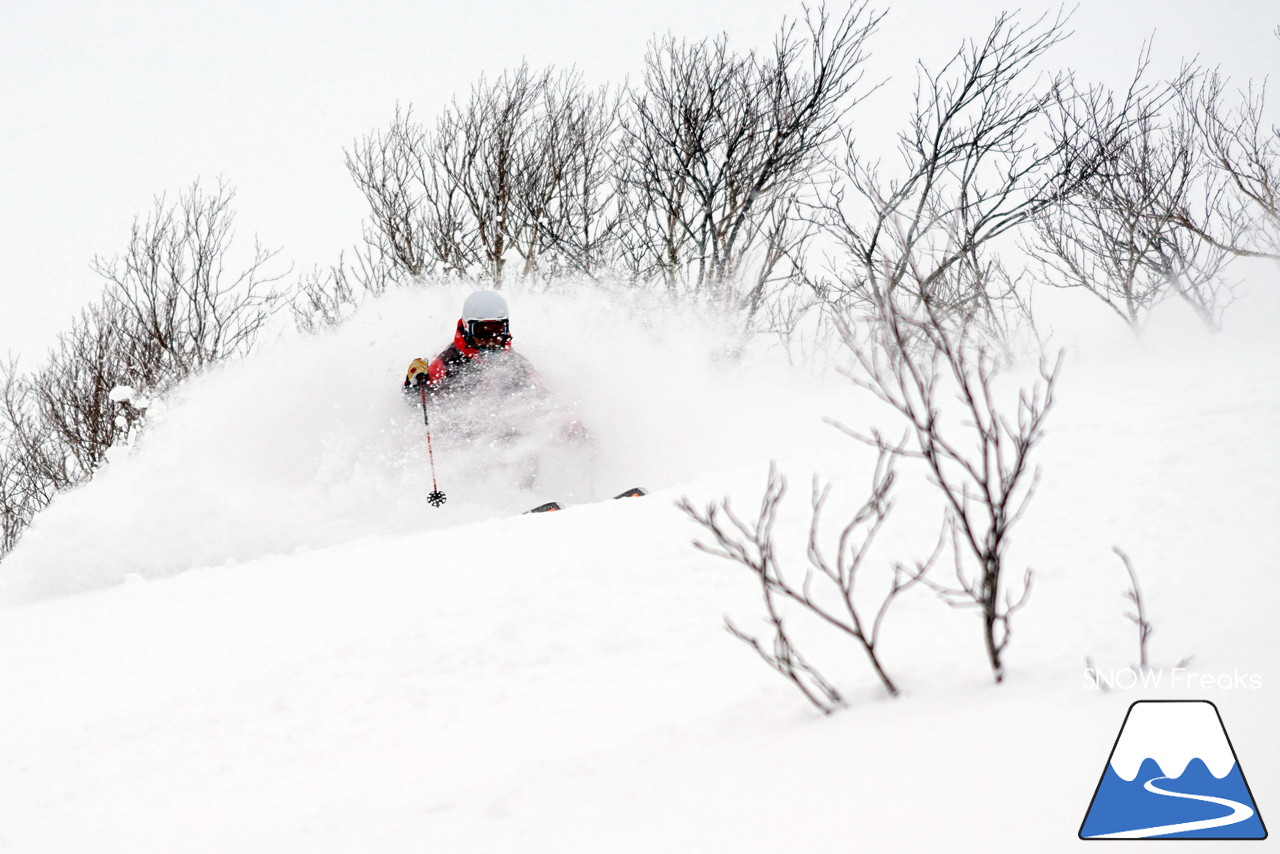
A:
552, 506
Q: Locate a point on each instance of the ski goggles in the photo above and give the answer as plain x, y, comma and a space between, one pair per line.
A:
490, 331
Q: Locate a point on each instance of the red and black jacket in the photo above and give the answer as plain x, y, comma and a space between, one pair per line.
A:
456, 368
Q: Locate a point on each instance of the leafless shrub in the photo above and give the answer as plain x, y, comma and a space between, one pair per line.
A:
169, 310
1191, 183
72, 392
525, 164
519, 173
32, 466
175, 307
689, 179
988, 148
15, 503
795, 312
1244, 155
489, 150
1123, 236
20, 496
980, 461
323, 298
714, 139
781, 284
924, 301
569, 200
755, 552
838, 606
392, 171
326, 297
61, 421
1139, 615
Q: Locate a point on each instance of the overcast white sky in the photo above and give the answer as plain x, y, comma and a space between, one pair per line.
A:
107, 104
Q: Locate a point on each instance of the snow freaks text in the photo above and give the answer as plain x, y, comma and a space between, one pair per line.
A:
1168, 678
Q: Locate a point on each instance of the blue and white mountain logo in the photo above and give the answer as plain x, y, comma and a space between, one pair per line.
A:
1173, 774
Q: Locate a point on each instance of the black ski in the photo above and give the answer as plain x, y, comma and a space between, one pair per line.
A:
552, 506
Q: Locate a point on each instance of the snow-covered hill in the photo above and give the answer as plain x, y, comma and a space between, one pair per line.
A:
251, 633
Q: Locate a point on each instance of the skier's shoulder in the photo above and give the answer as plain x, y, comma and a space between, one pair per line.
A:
451, 356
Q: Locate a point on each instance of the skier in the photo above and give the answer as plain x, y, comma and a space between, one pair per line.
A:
479, 358
490, 395
493, 398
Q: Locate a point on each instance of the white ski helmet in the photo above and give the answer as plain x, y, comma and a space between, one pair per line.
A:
484, 306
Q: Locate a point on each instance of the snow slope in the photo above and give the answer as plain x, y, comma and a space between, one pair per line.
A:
270, 643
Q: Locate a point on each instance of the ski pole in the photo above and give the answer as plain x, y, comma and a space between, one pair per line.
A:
436, 497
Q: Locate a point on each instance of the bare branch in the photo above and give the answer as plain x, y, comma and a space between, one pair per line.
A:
837, 605
715, 139
980, 462
1139, 616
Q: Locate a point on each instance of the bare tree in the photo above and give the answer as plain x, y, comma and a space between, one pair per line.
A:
797, 314
574, 210
326, 297
980, 461
72, 392
1189, 183
751, 545
169, 310
1138, 616
1122, 235
1244, 154
391, 169
175, 305
15, 504
22, 492
988, 148
516, 178
489, 152
714, 139
60, 422
534, 175
323, 298
33, 465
